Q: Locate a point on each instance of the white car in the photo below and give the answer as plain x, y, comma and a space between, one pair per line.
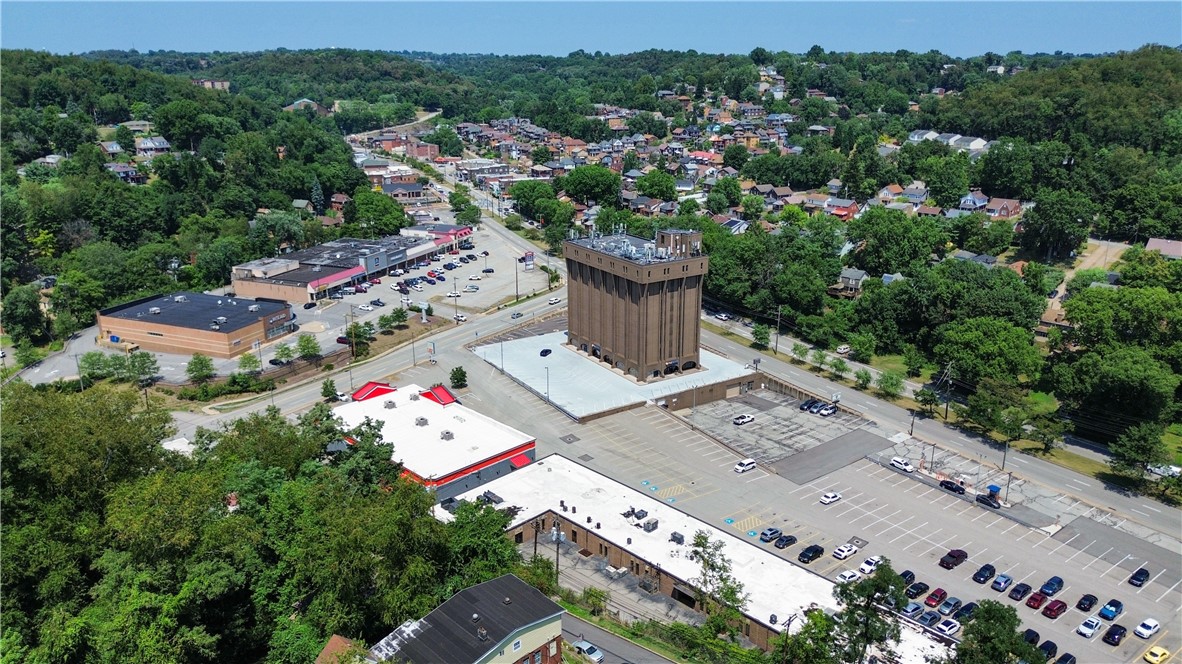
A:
903, 464
1147, 628
743, 419
471, 289
745, 465
722, 316
830, 498
848, 576
460, 318
406, 299
948, 627
870, 565
1088, 627
554, 300
398, 273
453, 294
418, 288
843, 349
365, 307
473, 277
589, 651
844, 551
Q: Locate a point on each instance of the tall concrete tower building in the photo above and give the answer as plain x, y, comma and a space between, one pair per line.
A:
635, 303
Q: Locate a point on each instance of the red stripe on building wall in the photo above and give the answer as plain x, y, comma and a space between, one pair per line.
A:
464, 472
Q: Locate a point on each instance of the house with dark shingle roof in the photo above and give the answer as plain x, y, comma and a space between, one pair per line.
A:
504, 619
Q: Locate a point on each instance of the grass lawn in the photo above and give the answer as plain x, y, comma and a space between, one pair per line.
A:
1042, 402
660, 647
896, 363
1173, 440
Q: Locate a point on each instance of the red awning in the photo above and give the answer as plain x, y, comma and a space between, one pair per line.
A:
520, 460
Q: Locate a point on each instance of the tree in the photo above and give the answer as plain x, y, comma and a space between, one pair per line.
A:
889, 384
1119, 385
459, 378
839, 367
249, 363
720, 595
317, 196
730, 189
1058, 224
913, 360
814, 643
981, 348
448, 141
469, 216
760, 335
657, 184
328, 389
752, 207
200, 369
631, 162
818, 358
928, 400
862, 346
284, 352
860, 624
862, 378
78, 295
142, 366
26, 354
1138, 448
540, 155
1047, 429
735, 156
890, 241
799, 351
992, 636
376, 211
593, 183
23, 318
307, 348
526, 196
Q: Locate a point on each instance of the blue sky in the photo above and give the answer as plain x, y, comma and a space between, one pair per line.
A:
557, 28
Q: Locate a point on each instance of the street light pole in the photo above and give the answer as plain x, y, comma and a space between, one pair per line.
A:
912, 431
777, 348
547, 384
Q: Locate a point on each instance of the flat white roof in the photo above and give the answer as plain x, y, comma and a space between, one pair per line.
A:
773, 584
422, 448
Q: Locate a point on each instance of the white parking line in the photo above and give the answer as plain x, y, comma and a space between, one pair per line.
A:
1114, 566
1064, 543
925, 493
909, 532
1080, 551
1146, 584
1163, 595
756, 479
1099, 557
893, 526
878, 520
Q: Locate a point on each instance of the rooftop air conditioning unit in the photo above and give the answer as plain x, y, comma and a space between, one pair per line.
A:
222, 319
420, 421
447, 435
180, 298
389, 403
253, 307
214, 326
154, 310
414, 396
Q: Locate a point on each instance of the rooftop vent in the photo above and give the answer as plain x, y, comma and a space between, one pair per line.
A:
180, 298
222, 319
475, 617
420, 421
414, 396
447, 435
253, 307
389, 403
154, 310
482, 633
507, 601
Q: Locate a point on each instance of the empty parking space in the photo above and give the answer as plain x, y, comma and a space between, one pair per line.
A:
823, 459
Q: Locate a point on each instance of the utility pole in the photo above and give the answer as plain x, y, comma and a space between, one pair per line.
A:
537, 527
777, 348
557, 541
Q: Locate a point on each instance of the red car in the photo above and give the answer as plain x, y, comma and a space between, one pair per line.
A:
1036, 600
375, 280
1055, 609
938, 595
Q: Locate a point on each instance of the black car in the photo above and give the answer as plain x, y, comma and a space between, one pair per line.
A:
377, 303
785, 541
985, 573
811, 553
309, 305
1049, 649
954, 487
1115, 635
1030, 636
1020, 591
1065, 658
1086, 603
470, 257
965, 613
988, 501
1139, 577
1053, 294
808, 404
545, 352
276, 362
488, 270
953, 558
916, 589
908, 577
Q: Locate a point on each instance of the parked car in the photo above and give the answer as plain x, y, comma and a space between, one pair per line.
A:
343, 340
912, 610
473, 277
1052, 586
1088, 627
1049, 649
954, 487
488, 270
988, 501
808, 404
1156, 655
745, 465
276, 362
844, 551
770, 534
1002, 582
460, 318
985, 573
1036, 600
453, 293
935, 597
948, 627
431, 281
1086, 603
816, 407
310, 305
1147, 628
377, 303
811, 553
908, 577
848, 576
785, 541
743, 419
1112, 609
722, 316
916, 589
1139, 577
375, 280
830, 498
1020, 591
1030, 636
965, 614
545, 352
950, 606
870, 564
902, 464
827, 410
1054, 609
928, 619
440, 277
953, 559
365, 307
590, 651
1115, 634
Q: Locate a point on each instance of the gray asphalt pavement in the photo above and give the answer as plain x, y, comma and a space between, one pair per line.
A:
616, 650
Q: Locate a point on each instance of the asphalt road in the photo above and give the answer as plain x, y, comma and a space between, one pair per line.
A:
616, 650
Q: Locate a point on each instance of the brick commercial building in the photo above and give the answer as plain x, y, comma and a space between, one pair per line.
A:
635, 303
187, 323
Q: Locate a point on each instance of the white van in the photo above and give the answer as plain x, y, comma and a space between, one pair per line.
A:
349, 290
745, 465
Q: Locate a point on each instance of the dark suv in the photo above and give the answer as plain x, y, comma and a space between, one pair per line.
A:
953, 558
1139, 577
811, 553
985, 573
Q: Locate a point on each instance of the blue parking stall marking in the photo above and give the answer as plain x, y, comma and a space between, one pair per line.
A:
653, 488
751, 533
644, 483
728, 521
670, 500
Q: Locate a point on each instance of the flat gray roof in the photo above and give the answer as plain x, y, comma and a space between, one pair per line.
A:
582, 386
197, 310
631, 248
